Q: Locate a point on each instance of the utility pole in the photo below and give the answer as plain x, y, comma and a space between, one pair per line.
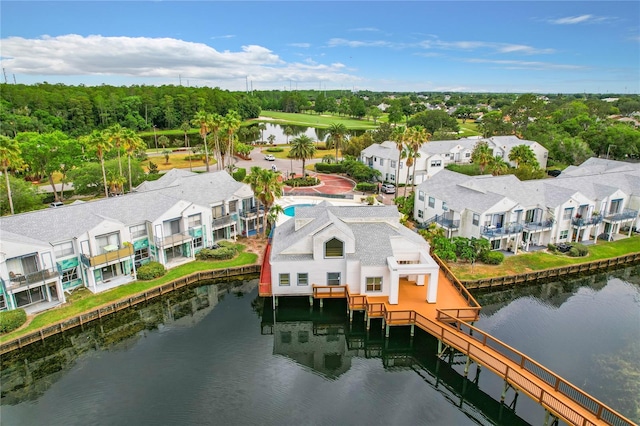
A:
4, 71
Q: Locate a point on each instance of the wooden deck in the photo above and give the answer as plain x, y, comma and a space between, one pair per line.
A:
449, 321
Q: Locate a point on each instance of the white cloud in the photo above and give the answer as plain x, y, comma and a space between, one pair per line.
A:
336, 42
155, 58
303, 45
528, 65
223, 36
580, 19
365, 29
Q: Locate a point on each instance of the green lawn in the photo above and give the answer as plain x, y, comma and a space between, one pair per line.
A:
92, 301
317, 120
529, 262
468, 129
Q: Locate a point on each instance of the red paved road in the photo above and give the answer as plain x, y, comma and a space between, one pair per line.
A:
329, 184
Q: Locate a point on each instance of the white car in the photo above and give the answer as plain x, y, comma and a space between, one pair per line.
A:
269, 157
388, 188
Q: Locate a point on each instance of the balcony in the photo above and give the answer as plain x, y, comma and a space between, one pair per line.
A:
173, 240
44, 276
539, 226
251, 213
491, 232
109, 256
626, 214
221, 222
444, 222
580, 222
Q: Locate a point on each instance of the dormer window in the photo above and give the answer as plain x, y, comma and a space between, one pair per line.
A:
334, 248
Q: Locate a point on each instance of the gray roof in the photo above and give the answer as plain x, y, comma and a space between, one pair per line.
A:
369, 226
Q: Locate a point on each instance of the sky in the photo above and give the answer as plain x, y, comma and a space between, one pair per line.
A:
414, 46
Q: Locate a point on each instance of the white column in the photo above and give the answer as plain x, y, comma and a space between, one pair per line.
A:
432, 288
394, 287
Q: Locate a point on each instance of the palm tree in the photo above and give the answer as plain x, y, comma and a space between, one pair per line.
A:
99, 142
131, 143
522, 154
410, 155
337, 132
231, 124
185, 127
398, 136
288, 131
9, 157
267, 188
302, 148
262, 127
274, 213
215, 124
114, 136
497, 166
419, 136
482, 155
272, 139
201, 120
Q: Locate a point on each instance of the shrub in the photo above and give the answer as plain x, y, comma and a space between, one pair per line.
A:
329, 168
150, 271
240, 174
226, 251
552, 248
492, 258
302, 181
11, 320
275, 149
578, 250
366, 187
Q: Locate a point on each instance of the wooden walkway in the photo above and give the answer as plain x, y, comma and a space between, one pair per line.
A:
449, 321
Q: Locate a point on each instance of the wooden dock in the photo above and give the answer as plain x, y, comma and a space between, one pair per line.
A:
449, 320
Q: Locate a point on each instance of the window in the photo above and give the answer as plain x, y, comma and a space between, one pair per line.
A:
436, 163
108, 240
476, 219
141, 254
64, 249
3, 303
334, 248
567, 213
303, 279
382, 161
444, 206
138, 231
284, 280
303, 336
421, 195
467, 154
564, 234
285, 337
333, 278
420, 213
432, 202
217, 211
393, 164
70, 275
195, 220
233, 206
374, 283
197, 242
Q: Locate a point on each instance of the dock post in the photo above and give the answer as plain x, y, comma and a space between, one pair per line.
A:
515, 399
550, 419
466, 366
274, 302
477, 378
350, 317
311, 301
412, 330
386, 331
504, 391
321, 304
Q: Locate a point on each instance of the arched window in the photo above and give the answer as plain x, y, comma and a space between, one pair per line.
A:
334, 248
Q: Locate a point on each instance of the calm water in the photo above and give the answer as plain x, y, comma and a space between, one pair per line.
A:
216, 354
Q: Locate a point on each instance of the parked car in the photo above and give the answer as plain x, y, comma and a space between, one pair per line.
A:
388, 188
56, 204
554, 173
269, 157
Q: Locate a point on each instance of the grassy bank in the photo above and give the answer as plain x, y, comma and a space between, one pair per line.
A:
530, 262
89, 301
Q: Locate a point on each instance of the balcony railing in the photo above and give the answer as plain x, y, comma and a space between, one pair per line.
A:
510, 229
173, 240
589, 221
539, 226
109, 256
39, 277
252, 212
626, 214
442, 221
222, 222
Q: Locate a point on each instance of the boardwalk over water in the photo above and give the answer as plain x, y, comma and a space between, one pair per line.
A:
450, 320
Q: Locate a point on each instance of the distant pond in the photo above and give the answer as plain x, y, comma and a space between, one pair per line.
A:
216, 353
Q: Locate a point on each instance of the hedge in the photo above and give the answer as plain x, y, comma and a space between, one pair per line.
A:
366, 186
492, 258
150, 271
11, 320
225, 251
329, 167
275, 149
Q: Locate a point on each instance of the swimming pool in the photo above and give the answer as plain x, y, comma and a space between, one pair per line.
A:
291, 210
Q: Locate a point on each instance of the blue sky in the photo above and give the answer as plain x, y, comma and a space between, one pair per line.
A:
515, 46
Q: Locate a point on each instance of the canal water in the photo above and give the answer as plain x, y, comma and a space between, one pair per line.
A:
218, 354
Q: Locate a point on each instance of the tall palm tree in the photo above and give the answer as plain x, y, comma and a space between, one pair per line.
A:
302, 148
215, 124
419, 136
482, 155
231, 124
97, 141
497, 166
398, 136
288, 131
201, 120
410, 155
272, 139
262, 127
114, 136
131, 143
267, 188
9, 158
185, 127
274, 213
337, 132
